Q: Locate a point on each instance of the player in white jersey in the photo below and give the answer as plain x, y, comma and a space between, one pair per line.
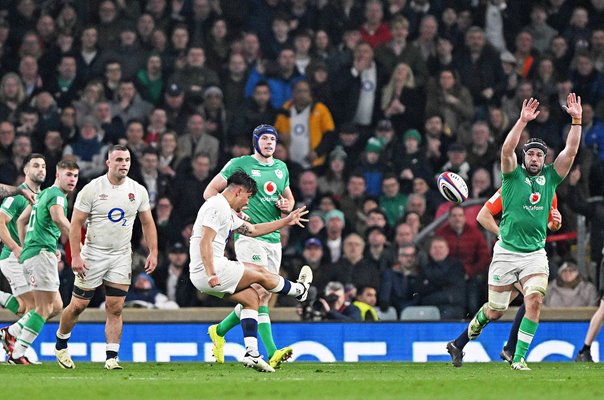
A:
275, 199
109, 206
212, 273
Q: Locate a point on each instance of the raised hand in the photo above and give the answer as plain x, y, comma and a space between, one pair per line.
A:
295, 217
573, 105
529, 110
282, 204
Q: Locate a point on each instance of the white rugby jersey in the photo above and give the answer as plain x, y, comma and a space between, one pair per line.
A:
216, 213
112, 211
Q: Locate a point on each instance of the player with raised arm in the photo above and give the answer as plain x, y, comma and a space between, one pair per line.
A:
214, 274
21, 301
108, 205
486, 218
47, 222
274, 198
519, 256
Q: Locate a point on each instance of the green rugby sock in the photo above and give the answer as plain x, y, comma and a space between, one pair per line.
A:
231, 321
482, 318
265, 331
11, 303
30, 332
526, 332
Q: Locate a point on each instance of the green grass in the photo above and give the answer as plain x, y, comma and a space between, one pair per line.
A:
314, 381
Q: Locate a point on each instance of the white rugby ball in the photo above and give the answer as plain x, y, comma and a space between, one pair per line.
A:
452, 187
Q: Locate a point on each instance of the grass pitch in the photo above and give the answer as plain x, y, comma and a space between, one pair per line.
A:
315, 381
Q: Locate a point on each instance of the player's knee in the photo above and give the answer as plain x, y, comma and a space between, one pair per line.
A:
114, 309
535, 285
499, 301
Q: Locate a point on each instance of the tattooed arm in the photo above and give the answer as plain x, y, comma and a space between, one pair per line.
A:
7, 191
254, 230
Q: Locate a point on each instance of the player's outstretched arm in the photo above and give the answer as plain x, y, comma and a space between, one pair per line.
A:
487, 221
527, 114
150, 233
293, 218
22, 223
216, 185
567, 156
7, 191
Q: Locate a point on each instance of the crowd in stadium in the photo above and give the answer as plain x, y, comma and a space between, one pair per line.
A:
372, 100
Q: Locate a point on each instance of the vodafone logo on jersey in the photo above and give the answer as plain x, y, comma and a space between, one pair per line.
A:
270, 188
534, 198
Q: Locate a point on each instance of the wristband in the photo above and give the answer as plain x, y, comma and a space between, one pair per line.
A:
576, 121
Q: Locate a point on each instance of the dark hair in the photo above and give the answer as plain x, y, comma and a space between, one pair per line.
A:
241, 178
68, 163
454, 206
150, 150
117, 147
32, 155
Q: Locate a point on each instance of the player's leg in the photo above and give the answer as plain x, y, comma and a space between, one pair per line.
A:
78, 304
248, 298
275, 283
48, 304
114, 305
595, 325
534, 286
507, 353
21, 295
247, 250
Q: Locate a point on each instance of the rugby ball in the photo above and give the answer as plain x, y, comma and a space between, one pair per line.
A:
452, 187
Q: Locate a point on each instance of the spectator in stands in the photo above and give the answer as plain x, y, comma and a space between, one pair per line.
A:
337, 18
172, 277
279, 38
214, 113
176, 108
546, 78
398, 51
53, 153
569, 289
332, 181
352, 200
426, 40
88, 150
377, 251
361, 82
411, 162
541, 32
371, 168
135, 134
154, 181
169, 154
447, 96
402, 100
144, 294
417, 203
92, 94
127, 52
66, 85
481, 151
456, 161
352, 267
233, 83
165, 223
11, 169
499, 123
68, 128
12, 96
375, 31
197, 140
255, 110
113, 127
578, 32
400, 283
365, 301
443, 281
145, 25
392, 201
187, 186
128, 104
335, 222
525, 55
30, 75
467, 244
280, 79
438, 139
303, 124
597, 48
109, 24
313, 255
333, 305
7, 138
251, 49
587, 81
479, 68
217, 45
149, 80
302, 45
195, 76
481, 185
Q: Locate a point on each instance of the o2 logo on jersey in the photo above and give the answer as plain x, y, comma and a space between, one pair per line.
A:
117, 215
270, 188
534, 198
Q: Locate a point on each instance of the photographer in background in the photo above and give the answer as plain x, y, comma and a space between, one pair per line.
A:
333, 305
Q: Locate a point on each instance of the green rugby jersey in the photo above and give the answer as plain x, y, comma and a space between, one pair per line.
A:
13, 207
526, 204
42, 233
272, 179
